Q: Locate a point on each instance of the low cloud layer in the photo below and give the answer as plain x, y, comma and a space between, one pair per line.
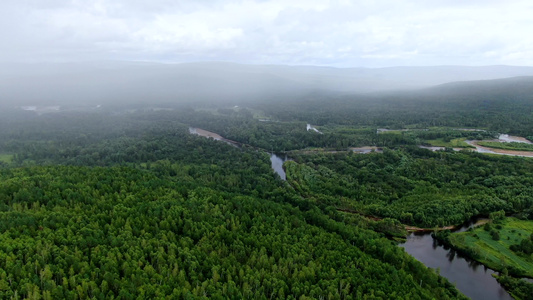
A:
335, 33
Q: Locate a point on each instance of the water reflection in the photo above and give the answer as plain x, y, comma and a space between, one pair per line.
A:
277, 164
466, 274
451, 255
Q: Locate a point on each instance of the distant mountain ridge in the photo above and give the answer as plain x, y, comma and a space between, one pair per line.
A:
517, 89
491, 85
137, 82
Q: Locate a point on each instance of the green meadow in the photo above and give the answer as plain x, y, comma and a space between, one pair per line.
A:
454, 143
496, 254
508, 146
7, 158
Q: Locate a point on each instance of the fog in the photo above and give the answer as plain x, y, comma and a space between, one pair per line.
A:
161, 52
104, 83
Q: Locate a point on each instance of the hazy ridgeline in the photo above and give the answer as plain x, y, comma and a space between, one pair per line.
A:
216, 82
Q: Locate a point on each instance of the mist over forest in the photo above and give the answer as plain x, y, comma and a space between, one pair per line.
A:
266, 149
133, 83
208, 178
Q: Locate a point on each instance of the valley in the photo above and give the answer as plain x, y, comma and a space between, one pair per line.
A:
361, 177
262, 149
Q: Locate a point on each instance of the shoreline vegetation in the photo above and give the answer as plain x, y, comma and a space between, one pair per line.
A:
415, 229
514, 146
505, 245
497, 245
518, 288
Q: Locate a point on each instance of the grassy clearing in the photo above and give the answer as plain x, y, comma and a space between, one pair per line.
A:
508, 146
257, 114
398, 132
348, 130
455, 143
496, 253
7, 158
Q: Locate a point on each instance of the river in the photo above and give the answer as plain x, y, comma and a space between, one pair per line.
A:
510, 138
277, 164
483, 149
215, 136
470, 277
276, 161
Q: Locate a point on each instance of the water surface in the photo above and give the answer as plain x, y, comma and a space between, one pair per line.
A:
470, 277
277, 164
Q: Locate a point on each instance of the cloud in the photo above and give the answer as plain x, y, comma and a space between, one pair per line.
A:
336, 32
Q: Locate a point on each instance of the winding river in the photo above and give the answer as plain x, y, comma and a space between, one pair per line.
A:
483, 149
470, 277
276, 161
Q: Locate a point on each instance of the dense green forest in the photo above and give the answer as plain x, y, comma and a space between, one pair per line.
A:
130, 206
416, 186
79, 232
504, 106
125, 202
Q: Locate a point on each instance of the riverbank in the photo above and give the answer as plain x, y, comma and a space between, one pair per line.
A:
483, 149
415, 229
518, 288
492, 245
513, 146
215, 136
472, 279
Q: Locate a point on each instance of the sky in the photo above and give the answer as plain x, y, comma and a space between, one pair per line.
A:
337, 33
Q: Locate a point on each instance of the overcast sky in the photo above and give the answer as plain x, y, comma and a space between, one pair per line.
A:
339, 33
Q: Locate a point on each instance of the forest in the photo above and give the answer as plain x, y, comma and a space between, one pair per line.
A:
117, 232
416, 186
130, 206
123, 202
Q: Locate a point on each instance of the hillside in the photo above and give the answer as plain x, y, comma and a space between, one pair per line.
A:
140, 82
